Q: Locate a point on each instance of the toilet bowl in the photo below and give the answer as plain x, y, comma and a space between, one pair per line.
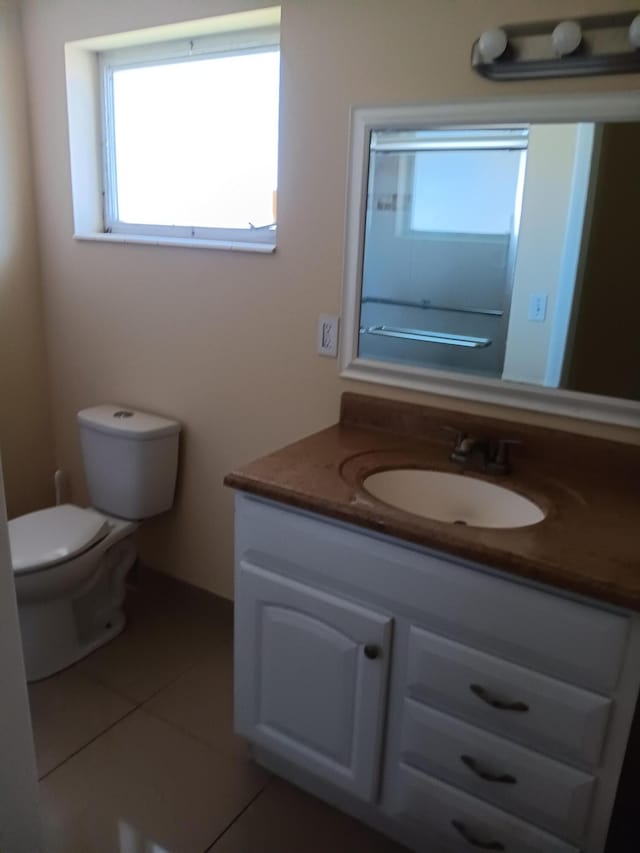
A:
70, 564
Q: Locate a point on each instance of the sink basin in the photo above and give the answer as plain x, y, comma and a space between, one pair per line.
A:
454, 498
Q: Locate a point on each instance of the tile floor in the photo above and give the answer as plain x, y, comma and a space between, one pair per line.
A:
136, 751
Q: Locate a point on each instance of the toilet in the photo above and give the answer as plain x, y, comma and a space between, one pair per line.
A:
70, 564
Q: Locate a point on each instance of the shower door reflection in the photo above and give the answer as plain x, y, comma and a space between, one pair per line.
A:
441, 233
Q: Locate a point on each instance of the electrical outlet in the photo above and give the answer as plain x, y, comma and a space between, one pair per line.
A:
328, 335
537, 307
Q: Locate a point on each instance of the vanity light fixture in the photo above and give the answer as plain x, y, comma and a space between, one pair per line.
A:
634, 32
566, 38
492, 44
591, 45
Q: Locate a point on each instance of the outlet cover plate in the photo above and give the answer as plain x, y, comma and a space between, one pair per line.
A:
328, 327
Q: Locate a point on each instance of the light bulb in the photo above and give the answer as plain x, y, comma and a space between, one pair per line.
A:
492, 44
566, 38
634, 32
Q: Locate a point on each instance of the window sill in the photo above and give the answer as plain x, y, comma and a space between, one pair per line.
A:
183, 242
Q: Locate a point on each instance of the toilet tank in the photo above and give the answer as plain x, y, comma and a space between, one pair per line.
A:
130, 460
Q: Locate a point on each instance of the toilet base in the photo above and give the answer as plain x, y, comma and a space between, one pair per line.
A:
46, 662
57, 633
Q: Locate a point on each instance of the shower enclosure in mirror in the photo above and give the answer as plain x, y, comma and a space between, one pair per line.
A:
495, 258
441, 233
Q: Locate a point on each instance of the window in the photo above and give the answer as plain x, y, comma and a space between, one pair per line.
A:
191, 139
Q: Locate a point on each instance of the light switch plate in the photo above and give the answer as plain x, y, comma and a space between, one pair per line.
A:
537, 307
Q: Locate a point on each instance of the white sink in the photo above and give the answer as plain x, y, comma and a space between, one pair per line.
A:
454, 498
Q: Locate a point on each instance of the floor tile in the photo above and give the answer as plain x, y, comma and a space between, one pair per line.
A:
201, 702
152, 592
139, 662
144, 786
168, 632
284, 819
67, 712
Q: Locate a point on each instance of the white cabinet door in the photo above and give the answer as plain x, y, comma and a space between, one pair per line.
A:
311, 673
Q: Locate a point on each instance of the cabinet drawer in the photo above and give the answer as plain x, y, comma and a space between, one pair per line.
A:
574, 642
537, 788
459, 823
562, 720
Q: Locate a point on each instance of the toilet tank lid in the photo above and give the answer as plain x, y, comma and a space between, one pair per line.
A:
53, 535
126, 422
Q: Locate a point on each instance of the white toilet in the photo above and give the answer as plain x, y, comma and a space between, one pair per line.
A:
70, 563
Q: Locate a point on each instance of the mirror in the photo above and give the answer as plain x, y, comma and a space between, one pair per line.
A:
501, 254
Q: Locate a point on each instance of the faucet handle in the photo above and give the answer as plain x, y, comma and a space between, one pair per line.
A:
500, 462
455, 431
503, 443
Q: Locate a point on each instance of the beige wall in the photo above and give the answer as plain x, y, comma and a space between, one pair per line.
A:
26, 441
226, 342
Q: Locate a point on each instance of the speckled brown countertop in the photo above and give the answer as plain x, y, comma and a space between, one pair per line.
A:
588, 543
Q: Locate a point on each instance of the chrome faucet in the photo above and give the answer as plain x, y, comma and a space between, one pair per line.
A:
467, 446
490, 455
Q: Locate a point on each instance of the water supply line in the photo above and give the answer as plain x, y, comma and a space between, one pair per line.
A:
58, 482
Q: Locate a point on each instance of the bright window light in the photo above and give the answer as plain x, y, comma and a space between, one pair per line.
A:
192, 145
196, 143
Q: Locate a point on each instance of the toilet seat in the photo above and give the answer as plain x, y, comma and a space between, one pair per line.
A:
44, 538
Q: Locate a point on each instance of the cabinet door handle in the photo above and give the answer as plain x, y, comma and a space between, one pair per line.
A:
475, 767
475, 842
500, 704
372, 652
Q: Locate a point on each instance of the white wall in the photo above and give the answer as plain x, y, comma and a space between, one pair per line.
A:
19, 819
226, 342
546, 204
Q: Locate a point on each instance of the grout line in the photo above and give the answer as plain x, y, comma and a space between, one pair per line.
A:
169, 683
89, 675
137, 705
201, 660
238, 816
89, 742
100, 682
225, 754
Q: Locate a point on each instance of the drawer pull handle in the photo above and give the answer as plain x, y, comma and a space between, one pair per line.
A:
473, 765
475, 842
500, 704
372, 652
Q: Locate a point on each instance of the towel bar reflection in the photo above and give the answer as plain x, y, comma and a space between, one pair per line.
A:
427, 305
428, 337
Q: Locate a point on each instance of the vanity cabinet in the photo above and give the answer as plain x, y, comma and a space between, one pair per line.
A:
448, 705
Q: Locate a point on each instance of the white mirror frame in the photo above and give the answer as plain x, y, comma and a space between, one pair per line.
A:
544, 110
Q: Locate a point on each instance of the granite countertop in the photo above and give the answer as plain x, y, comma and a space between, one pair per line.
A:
588, 543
